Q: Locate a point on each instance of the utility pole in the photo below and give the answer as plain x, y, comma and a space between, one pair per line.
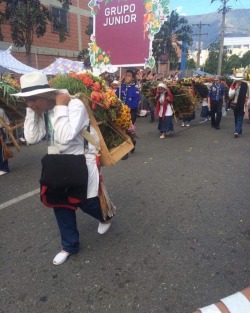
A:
199, 34
224, 9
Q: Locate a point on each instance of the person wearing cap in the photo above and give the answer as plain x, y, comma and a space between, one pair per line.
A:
239, 94
216, 99
164, 110
114, 85
67, 117
4, 165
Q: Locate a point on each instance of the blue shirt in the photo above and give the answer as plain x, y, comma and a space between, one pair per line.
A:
130, 96
216, 92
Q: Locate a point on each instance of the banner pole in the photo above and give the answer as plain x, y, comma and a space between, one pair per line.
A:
120, 87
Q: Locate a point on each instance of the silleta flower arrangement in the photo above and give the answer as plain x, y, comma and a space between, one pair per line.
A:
15, 108
108, 109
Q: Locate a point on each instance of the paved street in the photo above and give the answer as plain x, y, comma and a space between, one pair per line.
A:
180, 239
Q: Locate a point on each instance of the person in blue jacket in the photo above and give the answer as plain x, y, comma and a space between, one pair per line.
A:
130, 94
216, 99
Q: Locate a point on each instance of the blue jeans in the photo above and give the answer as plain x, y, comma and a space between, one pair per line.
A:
66, 220
238, 120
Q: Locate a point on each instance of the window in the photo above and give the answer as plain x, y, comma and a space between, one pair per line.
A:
60, 19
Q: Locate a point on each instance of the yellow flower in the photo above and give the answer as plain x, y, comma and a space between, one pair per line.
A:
148, 6
95, 47
106, 60
156, 23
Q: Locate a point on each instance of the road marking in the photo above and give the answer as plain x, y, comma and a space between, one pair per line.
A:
18, 199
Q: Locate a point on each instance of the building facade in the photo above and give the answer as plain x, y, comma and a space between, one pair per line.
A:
47, 48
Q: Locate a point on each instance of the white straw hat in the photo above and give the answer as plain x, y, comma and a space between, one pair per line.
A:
239, 76
162, 85
34, 83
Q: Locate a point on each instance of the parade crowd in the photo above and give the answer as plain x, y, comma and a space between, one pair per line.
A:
70, 149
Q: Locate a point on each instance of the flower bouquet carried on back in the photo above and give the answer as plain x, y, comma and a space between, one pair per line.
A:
108, 115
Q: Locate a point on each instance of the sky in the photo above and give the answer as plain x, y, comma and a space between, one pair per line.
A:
195, 7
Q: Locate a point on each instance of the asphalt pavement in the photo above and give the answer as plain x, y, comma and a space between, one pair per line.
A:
179, 240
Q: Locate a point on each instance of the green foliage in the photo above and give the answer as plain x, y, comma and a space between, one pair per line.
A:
211, 64
26, 19
6, 90
72, 84
183, 103
89, 28
234, 61
245, 60
175, 27
29, 18
83, 55
191, 65
65, 4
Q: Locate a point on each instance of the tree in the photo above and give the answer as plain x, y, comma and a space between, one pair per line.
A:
84, 54
191, 65
234, 61
175, 28
29, 18
245, 60
211, 64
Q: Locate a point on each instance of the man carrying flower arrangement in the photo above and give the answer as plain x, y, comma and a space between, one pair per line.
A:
70, 176
164, 110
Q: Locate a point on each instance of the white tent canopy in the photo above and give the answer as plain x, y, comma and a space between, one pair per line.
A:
10, 64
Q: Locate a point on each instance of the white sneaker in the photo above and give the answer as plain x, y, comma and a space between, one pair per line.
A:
162, 136
61, 257
3, 172
103, 228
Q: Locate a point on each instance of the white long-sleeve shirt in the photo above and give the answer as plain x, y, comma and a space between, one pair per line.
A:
67, 123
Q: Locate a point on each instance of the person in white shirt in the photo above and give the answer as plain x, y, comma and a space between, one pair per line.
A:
67, 118
164, 110
4, 165
239, 94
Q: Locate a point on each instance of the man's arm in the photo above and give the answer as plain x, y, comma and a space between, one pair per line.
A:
34, 126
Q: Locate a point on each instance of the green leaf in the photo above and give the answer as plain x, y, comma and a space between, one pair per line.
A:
92, 60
